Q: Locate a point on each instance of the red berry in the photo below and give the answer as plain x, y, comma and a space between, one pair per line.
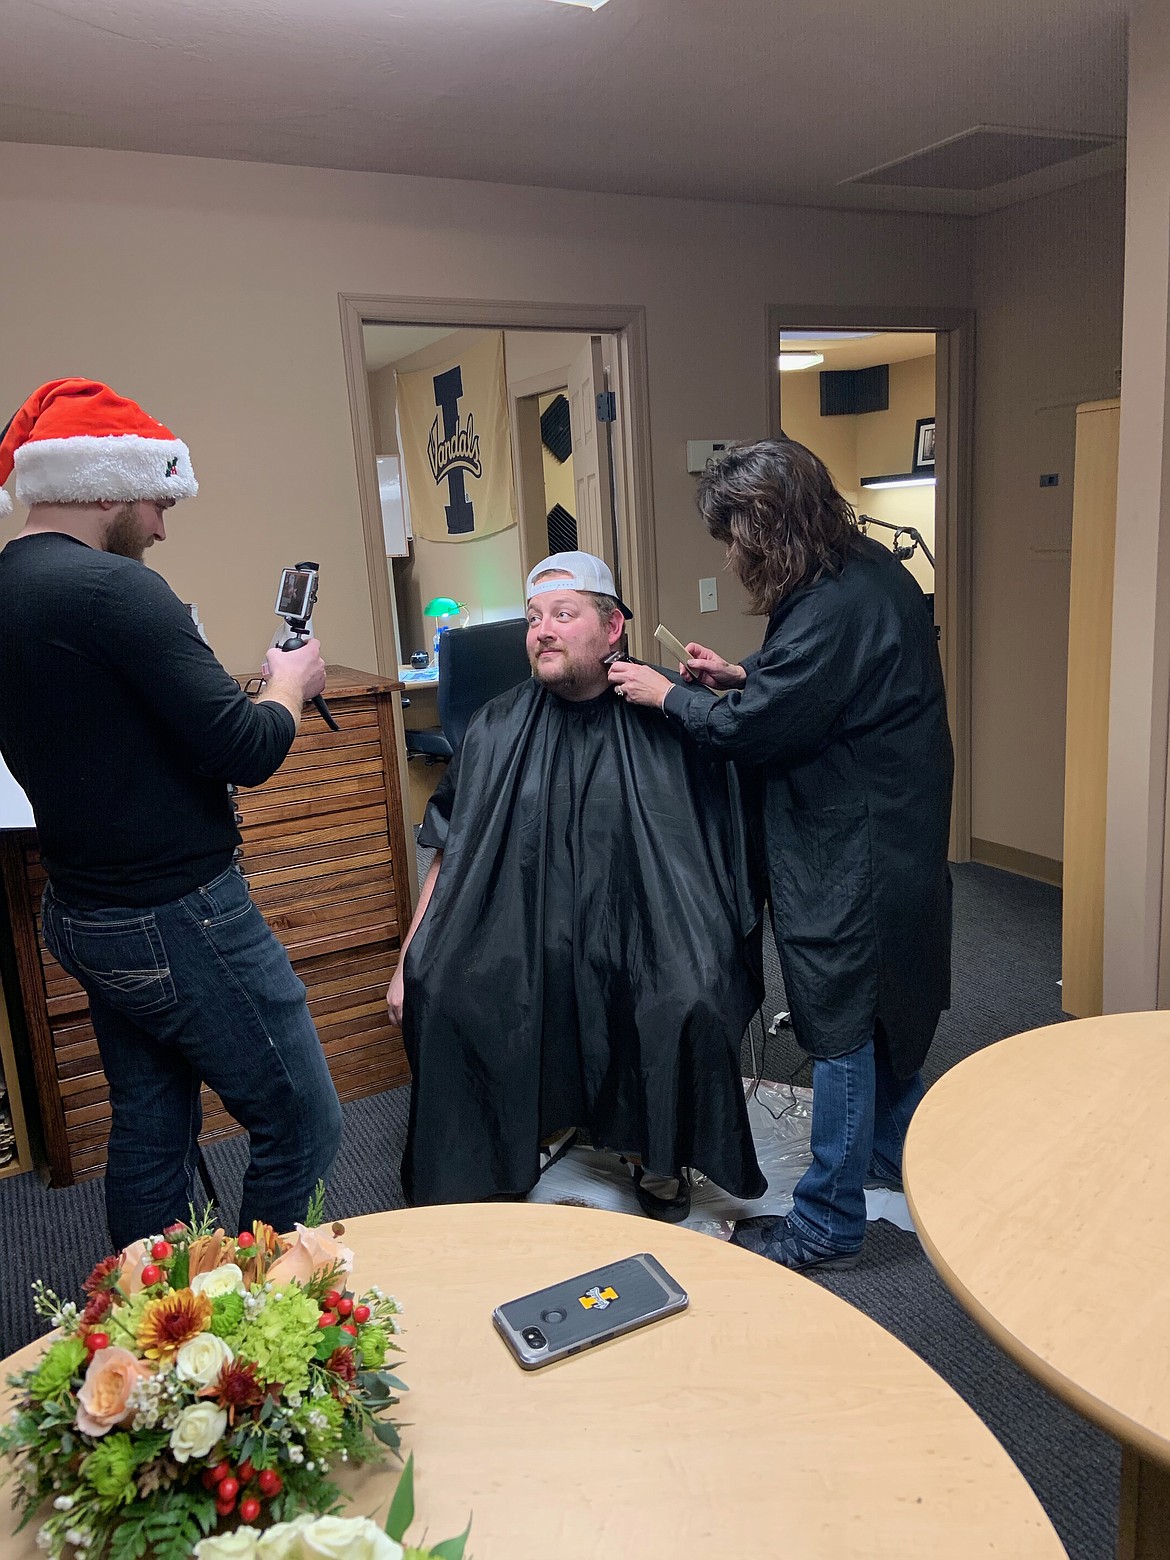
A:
361, 1313
229, 1488
245, 1471
225, 1507
246, 1239
151, 1275
344, 1306
97, 1340
208, 1477
221, 1471
348, 1327
161, 1250
250, 1509
327, 1319
332, 1300
270, 1482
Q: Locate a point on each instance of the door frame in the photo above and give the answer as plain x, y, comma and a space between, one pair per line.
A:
954, 333
626, 323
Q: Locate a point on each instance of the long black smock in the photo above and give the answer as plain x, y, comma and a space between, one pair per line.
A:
589, 957
845, 711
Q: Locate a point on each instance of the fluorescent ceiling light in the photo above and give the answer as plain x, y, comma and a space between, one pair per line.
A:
909, 480
590, 5
794, 360
824, 335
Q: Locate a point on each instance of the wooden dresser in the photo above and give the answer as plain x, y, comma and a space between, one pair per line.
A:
331, 866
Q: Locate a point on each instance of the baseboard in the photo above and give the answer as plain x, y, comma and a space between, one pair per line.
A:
1022, 862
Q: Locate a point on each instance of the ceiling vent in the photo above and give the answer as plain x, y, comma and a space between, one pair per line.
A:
982, 158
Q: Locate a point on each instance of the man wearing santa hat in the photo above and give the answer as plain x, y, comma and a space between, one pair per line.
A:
128, 737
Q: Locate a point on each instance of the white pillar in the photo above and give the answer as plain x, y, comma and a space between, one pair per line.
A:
1135, 850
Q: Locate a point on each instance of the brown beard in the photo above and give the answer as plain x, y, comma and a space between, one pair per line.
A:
125, 535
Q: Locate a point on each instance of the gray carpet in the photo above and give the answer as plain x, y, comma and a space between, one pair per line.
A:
1006, 967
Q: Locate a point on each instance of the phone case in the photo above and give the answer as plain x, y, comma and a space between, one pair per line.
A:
592, 1308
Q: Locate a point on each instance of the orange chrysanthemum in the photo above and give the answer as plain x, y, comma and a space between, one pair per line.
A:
171, 1321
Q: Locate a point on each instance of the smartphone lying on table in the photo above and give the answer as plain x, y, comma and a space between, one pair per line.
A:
576, 1313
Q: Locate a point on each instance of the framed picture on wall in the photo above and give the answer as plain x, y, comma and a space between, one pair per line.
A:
924, 444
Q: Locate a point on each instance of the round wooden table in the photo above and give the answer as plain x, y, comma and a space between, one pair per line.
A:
1038, 1174
770, 1418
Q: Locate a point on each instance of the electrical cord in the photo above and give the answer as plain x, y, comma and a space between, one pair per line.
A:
788, 1083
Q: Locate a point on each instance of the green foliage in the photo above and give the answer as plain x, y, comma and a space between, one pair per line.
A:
401, 1513
167, 1526
315, 1213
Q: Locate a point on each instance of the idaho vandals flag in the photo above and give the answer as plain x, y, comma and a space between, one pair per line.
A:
456, 453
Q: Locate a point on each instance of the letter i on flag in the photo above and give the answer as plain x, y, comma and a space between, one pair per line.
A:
456, 453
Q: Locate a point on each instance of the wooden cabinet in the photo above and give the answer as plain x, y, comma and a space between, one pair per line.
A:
1086, 763
331, 867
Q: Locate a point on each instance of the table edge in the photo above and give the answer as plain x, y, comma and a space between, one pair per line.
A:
1120, 1426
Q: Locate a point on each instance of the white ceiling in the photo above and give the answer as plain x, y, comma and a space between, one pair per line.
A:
861, 351
756, 100
385, 344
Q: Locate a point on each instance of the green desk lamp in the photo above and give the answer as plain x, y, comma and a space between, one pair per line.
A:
444, 609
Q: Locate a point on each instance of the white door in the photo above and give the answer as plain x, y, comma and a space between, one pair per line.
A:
591, 455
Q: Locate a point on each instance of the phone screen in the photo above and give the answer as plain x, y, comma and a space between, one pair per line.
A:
294, 599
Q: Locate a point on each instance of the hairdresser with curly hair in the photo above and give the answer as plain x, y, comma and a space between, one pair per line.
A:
843, 709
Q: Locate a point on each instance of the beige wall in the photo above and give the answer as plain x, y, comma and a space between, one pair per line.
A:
208, 290
869, 445
1048, 294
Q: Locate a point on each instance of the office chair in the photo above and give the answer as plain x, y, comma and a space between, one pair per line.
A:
475, 664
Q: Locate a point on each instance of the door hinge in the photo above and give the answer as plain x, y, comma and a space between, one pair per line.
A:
606, 406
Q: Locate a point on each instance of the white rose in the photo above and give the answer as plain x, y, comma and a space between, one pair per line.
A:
240, 1545
283, 1540
201, 1359
197, 1431
347, 1538
225, 1280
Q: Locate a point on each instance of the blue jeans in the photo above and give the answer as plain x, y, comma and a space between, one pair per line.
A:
199, 991
860, 1116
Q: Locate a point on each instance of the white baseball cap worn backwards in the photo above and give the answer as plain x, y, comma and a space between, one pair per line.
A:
585, 573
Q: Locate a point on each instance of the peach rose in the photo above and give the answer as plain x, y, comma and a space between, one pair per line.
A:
312, 1251
135, 1257
105, 1392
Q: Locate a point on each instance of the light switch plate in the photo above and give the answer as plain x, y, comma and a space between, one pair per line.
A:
708, 595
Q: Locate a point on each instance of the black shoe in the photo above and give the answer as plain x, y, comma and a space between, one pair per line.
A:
877, 1177
779, 1242
671, 1210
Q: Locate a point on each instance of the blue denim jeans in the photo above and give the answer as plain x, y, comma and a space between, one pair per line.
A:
860, 1116
199, 991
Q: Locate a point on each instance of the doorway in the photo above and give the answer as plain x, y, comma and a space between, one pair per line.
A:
892, 420
568, 436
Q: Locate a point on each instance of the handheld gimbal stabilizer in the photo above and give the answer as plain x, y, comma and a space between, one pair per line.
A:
294, 603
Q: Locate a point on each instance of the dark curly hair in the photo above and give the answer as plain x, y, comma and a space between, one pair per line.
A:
774, 506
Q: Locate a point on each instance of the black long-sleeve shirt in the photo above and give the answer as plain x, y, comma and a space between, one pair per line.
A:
121, 726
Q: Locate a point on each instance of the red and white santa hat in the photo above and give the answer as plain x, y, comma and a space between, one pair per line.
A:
75, 441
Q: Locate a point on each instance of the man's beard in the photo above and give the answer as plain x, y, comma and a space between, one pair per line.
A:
125, 535
563, 676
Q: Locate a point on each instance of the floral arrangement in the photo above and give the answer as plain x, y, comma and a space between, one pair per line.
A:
209, 1381
335, 1538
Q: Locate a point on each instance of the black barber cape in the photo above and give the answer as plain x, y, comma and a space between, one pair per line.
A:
589, 957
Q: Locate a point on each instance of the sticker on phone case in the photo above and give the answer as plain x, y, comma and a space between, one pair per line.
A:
598, 1298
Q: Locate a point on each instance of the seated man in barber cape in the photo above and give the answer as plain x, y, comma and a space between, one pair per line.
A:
584, 953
